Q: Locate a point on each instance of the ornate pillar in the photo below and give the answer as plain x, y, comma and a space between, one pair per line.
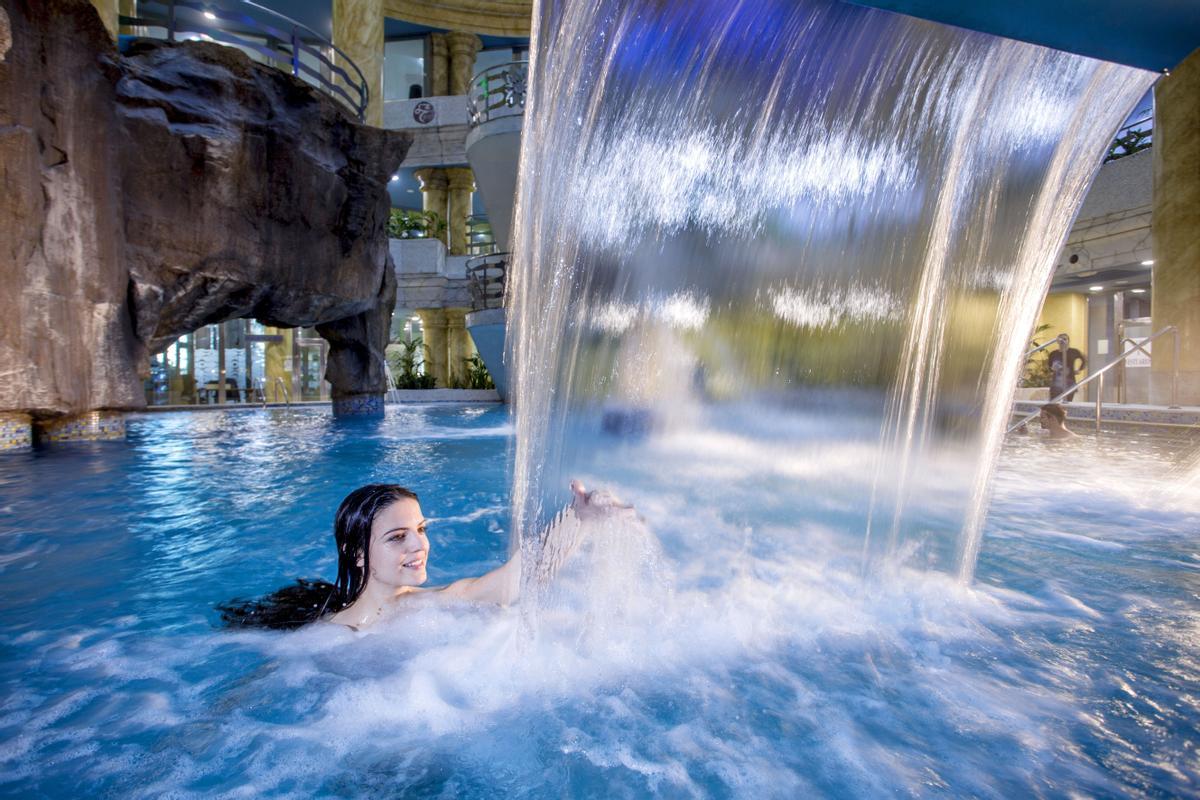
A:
438, 68
461, 183
358, 32
463, 48
433, 193
458, 346
1175, 298
16, 432
433, 327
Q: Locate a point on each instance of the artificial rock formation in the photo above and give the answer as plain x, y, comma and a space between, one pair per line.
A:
180, 185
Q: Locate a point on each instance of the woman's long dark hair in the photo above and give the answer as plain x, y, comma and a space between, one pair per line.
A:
307, 601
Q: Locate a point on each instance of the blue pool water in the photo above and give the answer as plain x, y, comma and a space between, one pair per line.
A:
736, 651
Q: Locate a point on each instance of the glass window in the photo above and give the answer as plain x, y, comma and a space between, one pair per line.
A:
403, 69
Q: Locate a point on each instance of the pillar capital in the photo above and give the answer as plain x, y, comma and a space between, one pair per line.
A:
432, 179
463, 44
460, 178
432, 317
463, 47
456, 317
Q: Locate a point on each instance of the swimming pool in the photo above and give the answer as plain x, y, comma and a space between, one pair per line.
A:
737, 653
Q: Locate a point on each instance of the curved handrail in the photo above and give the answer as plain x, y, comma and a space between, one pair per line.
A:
481, 241
209, 14
498, 91
486, 276
1099, 375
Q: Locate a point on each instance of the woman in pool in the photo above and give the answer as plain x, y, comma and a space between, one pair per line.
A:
383, 551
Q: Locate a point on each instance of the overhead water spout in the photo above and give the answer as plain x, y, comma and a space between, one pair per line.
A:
864, 205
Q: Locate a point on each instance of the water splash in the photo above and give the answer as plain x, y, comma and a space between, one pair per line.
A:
762, 200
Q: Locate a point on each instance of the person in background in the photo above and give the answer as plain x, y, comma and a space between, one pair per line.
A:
1064, 380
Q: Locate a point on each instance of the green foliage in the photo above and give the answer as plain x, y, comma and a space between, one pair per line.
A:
1134, 141
477, 376
404, 367
1037, 367
405, 224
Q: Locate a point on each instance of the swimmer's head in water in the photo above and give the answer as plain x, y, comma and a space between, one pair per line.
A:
363, 511
1055, 412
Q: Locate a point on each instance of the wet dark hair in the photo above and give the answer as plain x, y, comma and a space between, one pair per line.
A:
1056, 411
308, 600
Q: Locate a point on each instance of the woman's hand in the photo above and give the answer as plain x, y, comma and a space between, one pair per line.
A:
592, 505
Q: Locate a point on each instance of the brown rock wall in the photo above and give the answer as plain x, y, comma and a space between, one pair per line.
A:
150, 194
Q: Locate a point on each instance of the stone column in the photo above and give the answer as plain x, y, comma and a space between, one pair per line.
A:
1175, 227
107, 9
433, 193
438, 67
278, 365
433, 327
461, 182
16, 432
463, 48
458, 345
358, 32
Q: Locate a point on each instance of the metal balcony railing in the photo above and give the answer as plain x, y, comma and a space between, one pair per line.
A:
283, 41
480, 239
486, 277
498, 92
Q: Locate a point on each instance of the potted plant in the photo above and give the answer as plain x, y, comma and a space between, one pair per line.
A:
406, 224
404, 367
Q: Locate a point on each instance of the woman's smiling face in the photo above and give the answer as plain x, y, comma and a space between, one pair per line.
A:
399, 547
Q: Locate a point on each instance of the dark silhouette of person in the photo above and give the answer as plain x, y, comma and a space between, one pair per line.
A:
1063, 379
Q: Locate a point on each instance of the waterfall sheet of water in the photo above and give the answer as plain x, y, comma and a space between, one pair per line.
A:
792, 205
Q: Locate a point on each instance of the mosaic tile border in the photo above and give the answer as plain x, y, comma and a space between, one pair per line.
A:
16, 432
358, 405
90, 426
1115, 413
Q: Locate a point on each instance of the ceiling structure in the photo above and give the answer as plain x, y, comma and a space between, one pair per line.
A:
1152, 34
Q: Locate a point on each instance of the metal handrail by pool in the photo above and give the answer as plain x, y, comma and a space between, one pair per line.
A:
498, 92
486, 278
1062, 340
231, 18
1098, 376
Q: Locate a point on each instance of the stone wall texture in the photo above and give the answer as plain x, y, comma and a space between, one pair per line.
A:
179, 185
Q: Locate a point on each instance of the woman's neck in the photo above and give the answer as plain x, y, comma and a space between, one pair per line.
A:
372, 603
